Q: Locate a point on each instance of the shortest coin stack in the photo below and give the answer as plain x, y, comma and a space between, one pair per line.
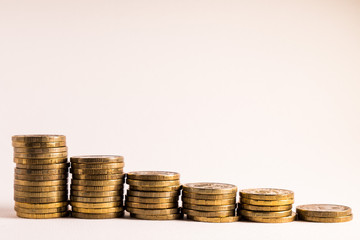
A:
153, 195
210, 202
267, 205
97, 186
325, 213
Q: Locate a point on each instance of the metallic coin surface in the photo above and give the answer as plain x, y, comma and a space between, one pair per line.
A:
96, 199
208, 196
323, 210
40, 150
40, 161
38, 144
97, 215
97, 165
209, 208
40, 183
153, 175
215, 219
96, 205
38, 138
96, 194
157, 217
98, 210
155, 189
196, 213
327, 219
266, 202
248, 213
210, 188
290, 218
41, 177
40, 155
41, 215
151, 205
142, 183
97, 171
153, 194
40, 194
41, 206
98, 183
41, 210
98, 177
209, 202
152, 211
97, 188
152, 200
41, 199
97, 159
266, 208
41, 171
267, 194
43, 166
40, 189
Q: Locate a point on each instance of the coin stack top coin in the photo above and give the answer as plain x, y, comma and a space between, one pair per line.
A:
210, 202
325, 213
153, 195
40, 186
97, 186
267, 205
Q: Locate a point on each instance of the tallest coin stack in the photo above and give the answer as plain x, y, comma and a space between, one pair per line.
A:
40, 186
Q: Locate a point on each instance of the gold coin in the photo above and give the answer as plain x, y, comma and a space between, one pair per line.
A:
98, 183
141, 183
97, 215
95, 199
39, 144
266, 202
151, 205
153, 175
40, 155
40, 172
209, 202
97, 166
97, 188
97, 171
98, 210
39, 138
96, 194
272, 220
267, 194
43, 166
41, 205
215, 219
265, 214
195, 213
153, 194
40, 194
157, 217
266, 208
98, 177
41, 199
152, 211
323, 210
40, 161
152, 200
41, 215
96, 205
40, 183
209, 208
327, 219
210, 188
155, 189
97, 159
40, 150
40, 189
209, 196
41, 210
41, 177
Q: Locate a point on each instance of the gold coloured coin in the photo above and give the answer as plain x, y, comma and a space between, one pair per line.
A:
95, 199
41, 205
40, 155
41, 150
41, 215
153, 175
208, 196
151, 200
96, 188
40, 172
142, 183
41, 199
215, 219
152, 211
40, 183
266, 202
48, 161
96, 205
41, 177
40, 194
97, 171
265, 214
97, 159
153, 194
38, 138
41, 210
38, 144
209, 208
98, 177
157, 217
272, 220
97, 215
151, 205
96, 194
210, 188
43, 166
98, 210
155, 189
196, 213
267, 194
40, 189
97, 165
323, 210
327, 219
266, 208
98, 183
209, 202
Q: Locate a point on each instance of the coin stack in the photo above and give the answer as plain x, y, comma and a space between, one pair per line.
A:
210, 202
325, 213
153, 195
40, 186
97, 186
267, 205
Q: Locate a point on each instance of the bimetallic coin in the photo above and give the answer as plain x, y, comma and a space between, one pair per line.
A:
40, 189
208, 196
41, 210
48, 161
152, 211
97, 188
209, 202
266, 208
97, 166
40, 194
41, 199
43, 166
142, 183
157, 217
41, 205
323, 210
151, 200
151, 205
96, 194
95, 199
39, 138
265, 214
40, 150
41, 177
97, 159
210, 188
98, 177
98, 183
153, 194
266, 202
98, 210
327, 219
196, 213
267, 194
209, 208
41, 215
272, 220
153, 175
215, 219
97, 171
155, 189
40, 155
40, 183
96, 205
40, 172
38, 144
97, 215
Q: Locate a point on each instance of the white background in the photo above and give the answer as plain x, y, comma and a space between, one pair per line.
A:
254, 93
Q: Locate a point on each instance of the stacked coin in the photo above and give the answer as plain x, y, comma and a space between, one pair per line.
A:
267, 205
153, 195
97, 186
210, 202
40, 186
325, 213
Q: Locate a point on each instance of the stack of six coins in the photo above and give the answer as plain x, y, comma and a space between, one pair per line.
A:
267, 205
153, 195
210, 202
40, 186
325, 213
97, 186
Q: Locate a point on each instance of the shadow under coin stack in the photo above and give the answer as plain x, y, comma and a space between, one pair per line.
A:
325, 213
210, 202
97, 186
267, 205
153, 195
40, 186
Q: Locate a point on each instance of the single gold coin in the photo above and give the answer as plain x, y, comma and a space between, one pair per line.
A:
102, 166
151, 205
41, 210
97, 183
152, 211
40, 189
40, 172
157, 217
40, 155
43, 166
215, 219
153, 175
97, 159
209, 208
323, 210
98, 210
266, 208
208, 196
155, 189
40, 183
38, 144
210, 188
41, 215
41, 177
266, 202
272, 220
40, 199
97, 171
98, 177
41, 205
40, 150
97, 215
39, 194
153, 194
48, 161
267, 194
152, 200
97, 188
209, 202
142, 183
95, 199
196, 213
38, 138
96, 194
327, 219
265, 214
96, 205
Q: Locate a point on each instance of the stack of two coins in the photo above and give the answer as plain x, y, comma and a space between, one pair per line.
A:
267, 205
97, 186
325, 213
153, 195
210, 202
40, 186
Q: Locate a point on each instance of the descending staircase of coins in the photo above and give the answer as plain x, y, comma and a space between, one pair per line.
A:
41, 190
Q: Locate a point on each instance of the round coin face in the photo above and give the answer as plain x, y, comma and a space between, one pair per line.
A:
153, 175
210, 188
266, 193
97, 159
39, 138
323, 210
